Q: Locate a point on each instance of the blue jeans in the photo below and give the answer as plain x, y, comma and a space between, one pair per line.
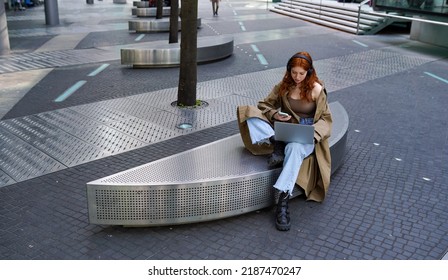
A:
295, 153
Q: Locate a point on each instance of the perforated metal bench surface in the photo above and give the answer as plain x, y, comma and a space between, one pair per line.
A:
144, 4
153, 25
141, 4
214, 181
209, 48
150, 12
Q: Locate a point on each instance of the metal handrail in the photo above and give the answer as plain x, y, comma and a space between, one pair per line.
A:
359, 14
411, 18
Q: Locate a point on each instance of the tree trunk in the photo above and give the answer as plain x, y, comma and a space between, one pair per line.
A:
174, 22
186, 95
159, 9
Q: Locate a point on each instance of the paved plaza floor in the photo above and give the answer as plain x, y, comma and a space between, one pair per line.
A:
71, 113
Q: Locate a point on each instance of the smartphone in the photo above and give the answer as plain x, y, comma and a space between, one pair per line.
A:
283, 114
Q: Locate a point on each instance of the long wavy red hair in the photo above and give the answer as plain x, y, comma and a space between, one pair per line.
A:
307, 85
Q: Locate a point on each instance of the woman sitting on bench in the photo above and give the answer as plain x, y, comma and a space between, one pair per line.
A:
299, 98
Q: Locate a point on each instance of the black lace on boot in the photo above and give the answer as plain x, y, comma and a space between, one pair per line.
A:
283, 221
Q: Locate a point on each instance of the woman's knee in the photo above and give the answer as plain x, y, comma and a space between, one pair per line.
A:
293, 147
298, 149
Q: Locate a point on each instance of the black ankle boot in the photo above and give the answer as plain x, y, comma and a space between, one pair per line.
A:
277, 157
282, 220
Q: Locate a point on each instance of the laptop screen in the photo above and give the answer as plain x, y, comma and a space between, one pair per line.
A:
292, 132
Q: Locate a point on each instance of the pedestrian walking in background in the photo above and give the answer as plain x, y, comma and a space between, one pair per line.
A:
215, 6
18, 5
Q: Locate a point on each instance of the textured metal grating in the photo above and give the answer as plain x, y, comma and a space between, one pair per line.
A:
67, 120
131, 107
255, 94
172, 121
102, 114
256, 85
236, 100
109, 139
29, 61
29, 128
226, 106
334, 83
205, 116
69, 150
347, 61
157, 98
267, 78
219, 88
53, 141
143, 130
365, 66
207, 92
22, 161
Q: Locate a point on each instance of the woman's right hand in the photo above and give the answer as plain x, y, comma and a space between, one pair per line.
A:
281, 118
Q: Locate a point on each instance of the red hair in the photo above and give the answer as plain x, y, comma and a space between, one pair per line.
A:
308, 84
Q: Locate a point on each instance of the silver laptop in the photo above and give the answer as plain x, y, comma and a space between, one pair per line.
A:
292, 132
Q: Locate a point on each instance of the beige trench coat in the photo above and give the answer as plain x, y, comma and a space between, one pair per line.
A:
315, 171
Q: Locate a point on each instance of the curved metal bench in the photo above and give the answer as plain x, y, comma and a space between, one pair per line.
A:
214, 181
210, 48
150, 12
153, 25
141, 4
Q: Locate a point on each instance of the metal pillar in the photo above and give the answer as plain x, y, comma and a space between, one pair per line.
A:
51, 12
4, 36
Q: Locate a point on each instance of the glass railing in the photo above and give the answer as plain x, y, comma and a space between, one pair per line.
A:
413, 7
